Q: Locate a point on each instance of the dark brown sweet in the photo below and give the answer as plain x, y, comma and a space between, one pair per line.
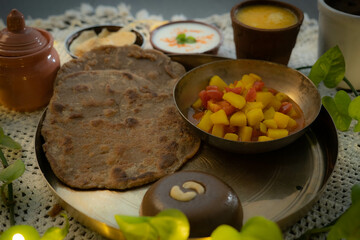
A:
217, 205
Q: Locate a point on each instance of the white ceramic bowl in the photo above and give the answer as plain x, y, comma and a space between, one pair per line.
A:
208, 38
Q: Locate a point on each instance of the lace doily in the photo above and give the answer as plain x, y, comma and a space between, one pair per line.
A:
33, 197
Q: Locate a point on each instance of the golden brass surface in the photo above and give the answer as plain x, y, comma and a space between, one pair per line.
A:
281, 185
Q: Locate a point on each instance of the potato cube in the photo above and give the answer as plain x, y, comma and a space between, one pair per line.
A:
263, 128
277, 133
240, 84
257, 77
275, 103
292, 113
238, 119
281, 119
264, 138
264, 97
197, 104
217, 81
218, 130
213, 106
245, 133
269, 113
234, 99
231, 136
292, 124
205, 123
254, 116
252, 105
219, 117
248, 81
270, 123
282, 97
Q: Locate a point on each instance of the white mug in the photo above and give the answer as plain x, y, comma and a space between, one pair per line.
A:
342, 29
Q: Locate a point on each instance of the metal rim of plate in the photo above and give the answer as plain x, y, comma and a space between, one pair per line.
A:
281, 185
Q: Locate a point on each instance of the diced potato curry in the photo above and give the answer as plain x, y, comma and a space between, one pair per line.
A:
245, 110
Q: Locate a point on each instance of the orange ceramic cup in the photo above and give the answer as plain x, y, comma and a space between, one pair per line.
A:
273, 45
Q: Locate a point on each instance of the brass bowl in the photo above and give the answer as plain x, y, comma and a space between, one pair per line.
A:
280, 77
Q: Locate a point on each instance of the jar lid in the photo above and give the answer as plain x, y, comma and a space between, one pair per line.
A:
17, 39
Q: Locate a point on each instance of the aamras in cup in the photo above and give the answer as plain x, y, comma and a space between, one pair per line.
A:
265, 29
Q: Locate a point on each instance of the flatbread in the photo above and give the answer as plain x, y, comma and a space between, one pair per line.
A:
89, 40
149, 64
114, 129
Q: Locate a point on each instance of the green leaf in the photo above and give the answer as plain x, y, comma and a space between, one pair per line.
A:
190, 39
171, 224
133, 219
354, 112
342, 101
136, 228
261, 229
256, 228
355, 193
357, 127
24, 232
348, 225
181, 38
330, 68
225, 232
8, 142
12, 172
338, 109
56, 233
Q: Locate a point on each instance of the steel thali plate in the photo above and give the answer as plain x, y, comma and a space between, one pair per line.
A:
281, 185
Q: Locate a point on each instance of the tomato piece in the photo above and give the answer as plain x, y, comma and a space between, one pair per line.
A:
231, 129
273, 91
213, 106
258, 85
214, 94
212, 87
285, 107
251, 95
204, 97
256, 133
198, 115
237, 90
228, 108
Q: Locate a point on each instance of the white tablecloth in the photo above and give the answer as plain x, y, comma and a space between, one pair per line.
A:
33, 197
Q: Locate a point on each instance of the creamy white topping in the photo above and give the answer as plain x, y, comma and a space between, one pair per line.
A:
206, 38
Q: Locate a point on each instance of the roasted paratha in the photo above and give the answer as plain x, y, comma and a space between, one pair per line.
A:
149, 64
114, 129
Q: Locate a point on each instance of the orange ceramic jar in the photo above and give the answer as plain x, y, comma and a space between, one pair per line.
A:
28, 65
